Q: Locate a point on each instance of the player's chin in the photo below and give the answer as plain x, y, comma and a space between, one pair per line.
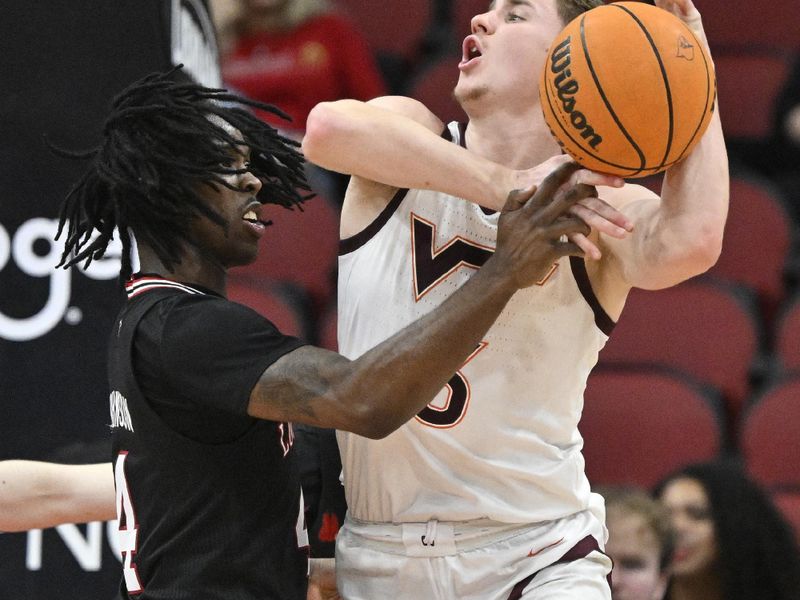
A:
244, 254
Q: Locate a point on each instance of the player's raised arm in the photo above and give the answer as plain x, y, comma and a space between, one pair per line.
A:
386, 386
680, 236
384, 139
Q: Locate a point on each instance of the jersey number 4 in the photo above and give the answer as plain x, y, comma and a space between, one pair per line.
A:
128, 528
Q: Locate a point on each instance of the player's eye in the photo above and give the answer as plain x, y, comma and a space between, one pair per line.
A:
512, 17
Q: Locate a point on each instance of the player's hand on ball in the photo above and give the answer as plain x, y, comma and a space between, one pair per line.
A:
595, 212
533, 221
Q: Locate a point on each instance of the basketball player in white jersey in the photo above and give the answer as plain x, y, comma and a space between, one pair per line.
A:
483, 496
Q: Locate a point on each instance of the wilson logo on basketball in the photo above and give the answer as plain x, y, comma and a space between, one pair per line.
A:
567, 88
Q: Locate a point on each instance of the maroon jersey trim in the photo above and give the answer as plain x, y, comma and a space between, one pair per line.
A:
602, 320
355, 242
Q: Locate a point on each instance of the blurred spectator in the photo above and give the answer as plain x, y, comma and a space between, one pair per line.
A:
640, 542
731, 543
295, 54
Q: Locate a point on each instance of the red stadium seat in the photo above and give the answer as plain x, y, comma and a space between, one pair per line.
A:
788, 502
700, 327
749, 83
434, 84
743, 22
787, 336
640, 425
758, 240
284, 305
301, 247
394, 27
770, 436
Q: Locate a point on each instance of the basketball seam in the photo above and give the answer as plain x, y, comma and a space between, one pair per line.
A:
633, 170
642, 159
705, 109
598, 158
663, 75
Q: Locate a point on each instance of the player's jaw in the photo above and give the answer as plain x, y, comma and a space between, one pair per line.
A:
233, 241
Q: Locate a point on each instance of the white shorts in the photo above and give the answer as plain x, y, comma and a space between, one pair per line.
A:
474, 560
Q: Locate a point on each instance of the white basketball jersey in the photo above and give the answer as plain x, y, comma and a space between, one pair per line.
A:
501, 441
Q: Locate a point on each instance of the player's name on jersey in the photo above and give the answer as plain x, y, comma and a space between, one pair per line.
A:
120, 415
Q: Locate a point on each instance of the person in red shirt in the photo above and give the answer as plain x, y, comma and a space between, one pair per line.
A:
297, 53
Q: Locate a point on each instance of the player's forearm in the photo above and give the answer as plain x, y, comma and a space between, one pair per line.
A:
694, 208
376, 393
373, 143
37, 494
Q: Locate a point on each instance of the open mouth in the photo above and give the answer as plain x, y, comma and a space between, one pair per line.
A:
253, 219
471, 50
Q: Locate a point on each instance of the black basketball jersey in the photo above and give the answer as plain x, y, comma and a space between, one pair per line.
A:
198, 520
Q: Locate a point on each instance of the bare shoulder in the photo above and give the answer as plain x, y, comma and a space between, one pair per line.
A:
365, 199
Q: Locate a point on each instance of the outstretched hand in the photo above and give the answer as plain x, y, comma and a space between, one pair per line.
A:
533, 221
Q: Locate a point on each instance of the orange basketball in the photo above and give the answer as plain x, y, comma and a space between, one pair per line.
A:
627, 89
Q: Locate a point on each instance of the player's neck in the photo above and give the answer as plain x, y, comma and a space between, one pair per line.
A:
518, 141
193, 268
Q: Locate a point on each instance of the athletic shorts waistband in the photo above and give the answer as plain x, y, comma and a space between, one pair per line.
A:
434, 538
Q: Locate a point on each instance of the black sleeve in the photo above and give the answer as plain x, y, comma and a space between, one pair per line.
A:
212, 351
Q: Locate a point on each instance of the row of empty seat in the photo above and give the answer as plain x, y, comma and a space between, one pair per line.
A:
640, 424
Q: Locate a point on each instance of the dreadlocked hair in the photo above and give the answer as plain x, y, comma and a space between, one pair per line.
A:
160, 143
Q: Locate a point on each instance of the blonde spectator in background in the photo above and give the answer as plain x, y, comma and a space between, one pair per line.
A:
640, 542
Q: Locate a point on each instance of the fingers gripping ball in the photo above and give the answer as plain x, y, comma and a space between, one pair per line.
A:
627, 89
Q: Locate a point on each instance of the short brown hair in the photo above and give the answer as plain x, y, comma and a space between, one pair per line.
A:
569, 9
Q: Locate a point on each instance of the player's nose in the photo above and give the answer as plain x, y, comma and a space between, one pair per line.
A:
483, 23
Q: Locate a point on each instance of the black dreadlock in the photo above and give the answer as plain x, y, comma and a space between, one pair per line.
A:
159, 146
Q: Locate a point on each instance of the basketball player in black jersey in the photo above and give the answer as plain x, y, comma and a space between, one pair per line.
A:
202, 390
